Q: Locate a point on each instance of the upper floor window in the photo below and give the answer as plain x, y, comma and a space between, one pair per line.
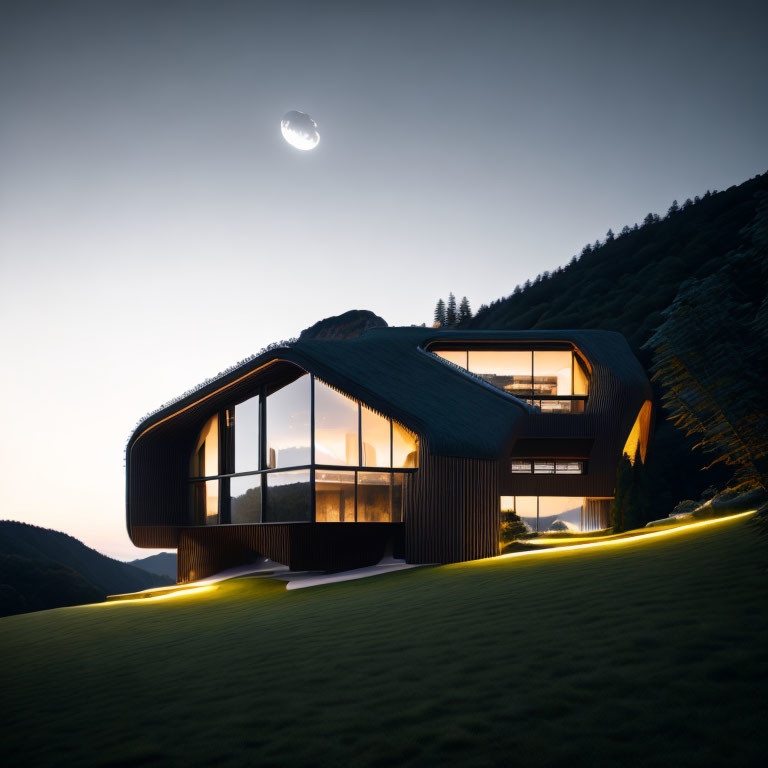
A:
553, 380
547, 467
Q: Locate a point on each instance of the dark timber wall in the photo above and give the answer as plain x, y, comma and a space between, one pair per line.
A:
206, 550
452, 510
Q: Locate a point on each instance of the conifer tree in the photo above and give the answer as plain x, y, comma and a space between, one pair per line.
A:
465, 313
440, 313
451, 315
609, 236
673, 209
624, 473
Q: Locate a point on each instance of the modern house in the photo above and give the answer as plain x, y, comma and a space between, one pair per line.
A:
329, 454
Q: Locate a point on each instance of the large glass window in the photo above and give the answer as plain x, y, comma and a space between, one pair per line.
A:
580, 378
373, 497
247, 435
336, 427
263, 474
457, 357
560, 513
205, 503
376, 439
334, 497
405, 447
205, 457
552, 371
289, 497
553, 380
509, 370
525, 507
547, 513
289, 436
245, 499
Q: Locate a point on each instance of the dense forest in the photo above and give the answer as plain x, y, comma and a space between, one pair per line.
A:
702, 264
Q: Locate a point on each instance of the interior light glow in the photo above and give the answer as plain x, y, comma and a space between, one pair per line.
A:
638, 538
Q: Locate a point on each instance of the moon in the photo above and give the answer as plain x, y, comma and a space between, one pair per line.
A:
300, 130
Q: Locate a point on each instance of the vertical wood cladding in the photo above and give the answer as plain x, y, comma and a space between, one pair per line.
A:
596, 514
203, 551
452, 510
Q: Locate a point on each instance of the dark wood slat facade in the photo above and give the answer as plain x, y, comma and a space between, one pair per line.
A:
468, 432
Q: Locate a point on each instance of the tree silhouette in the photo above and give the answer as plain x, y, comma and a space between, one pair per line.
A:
465, 313
439, 316
451, 315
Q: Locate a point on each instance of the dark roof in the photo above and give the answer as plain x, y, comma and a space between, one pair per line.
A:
455, 412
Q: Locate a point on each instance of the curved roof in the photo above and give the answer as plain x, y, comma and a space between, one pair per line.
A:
455, 412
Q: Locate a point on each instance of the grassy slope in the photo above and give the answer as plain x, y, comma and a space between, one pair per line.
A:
648, 654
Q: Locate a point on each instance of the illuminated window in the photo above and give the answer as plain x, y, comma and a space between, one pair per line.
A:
569, 467
373, 497
405, 447
376, 438
509, 370
289, 436
247, 435
560, 513
458, 357
245, 499
398, 481
334, 497
205, 503
580, 378
543, 467
336, 427
521, 467
550, 379
205, 457
525, 508
552, 372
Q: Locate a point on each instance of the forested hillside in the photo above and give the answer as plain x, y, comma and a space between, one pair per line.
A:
41, 568
624, 282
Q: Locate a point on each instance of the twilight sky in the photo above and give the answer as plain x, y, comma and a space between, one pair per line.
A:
155, 227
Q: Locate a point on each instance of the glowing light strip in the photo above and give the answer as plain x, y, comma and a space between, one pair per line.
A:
617, 542
175, 593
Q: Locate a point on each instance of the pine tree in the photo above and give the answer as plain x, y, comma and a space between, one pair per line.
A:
625, 230
609, 236
440, 314
465, 313
451, 315
673, 209
624, 473
709, 356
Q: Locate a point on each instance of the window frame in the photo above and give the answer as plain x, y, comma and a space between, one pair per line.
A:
227, 424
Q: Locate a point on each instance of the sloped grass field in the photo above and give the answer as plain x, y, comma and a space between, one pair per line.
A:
647, 654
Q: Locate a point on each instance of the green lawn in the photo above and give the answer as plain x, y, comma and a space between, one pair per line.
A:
652, 653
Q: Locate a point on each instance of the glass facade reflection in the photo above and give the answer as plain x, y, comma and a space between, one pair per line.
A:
245, 499
334, 497
204, 461
374, 504
275, 467
553, 380
405, 447
550, 513
288, 497
289, 436
247, 448
336, 427
204, 502
376, 439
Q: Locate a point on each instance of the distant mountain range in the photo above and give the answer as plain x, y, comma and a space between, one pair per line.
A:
41, 568
163, 564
